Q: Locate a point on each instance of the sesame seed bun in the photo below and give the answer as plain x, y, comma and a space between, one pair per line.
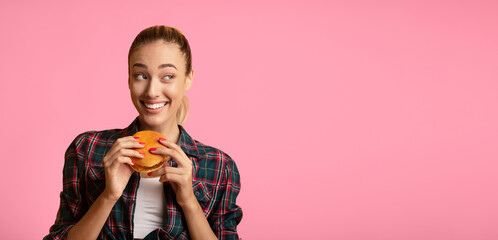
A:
150, 162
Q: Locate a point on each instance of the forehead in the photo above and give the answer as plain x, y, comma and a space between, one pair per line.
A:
157, 53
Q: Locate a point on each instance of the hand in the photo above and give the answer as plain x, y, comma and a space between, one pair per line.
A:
116, 161
180, 177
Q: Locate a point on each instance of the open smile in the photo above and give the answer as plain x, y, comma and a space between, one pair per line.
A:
154, 107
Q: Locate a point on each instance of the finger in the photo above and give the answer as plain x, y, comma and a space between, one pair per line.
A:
130, 143
125, 160
185, 160
130, 138
167, 170
174, 170
122, 153
176, 175
126, 142
171, 145
157, 173
168, 152
168, 143
129, 153
174, 178
122, 160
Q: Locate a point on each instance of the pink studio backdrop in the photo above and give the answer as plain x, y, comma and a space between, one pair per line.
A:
347, 119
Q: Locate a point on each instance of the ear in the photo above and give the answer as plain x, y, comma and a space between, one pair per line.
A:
189, 79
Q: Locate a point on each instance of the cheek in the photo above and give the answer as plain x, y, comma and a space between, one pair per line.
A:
133, 95
175, 91
136, 89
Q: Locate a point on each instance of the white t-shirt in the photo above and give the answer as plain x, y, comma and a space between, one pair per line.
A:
150, 208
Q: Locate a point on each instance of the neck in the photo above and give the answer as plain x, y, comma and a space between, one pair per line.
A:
170, 130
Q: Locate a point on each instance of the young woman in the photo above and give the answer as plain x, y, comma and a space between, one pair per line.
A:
191, 197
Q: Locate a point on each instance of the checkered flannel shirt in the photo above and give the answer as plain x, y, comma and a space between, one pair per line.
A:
216, 184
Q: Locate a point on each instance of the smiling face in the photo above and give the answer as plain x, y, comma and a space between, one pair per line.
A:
157, 82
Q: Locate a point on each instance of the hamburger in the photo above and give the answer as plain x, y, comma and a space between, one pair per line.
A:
150, 162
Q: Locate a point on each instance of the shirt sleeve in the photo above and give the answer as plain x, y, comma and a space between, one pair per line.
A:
227, 214
71, 207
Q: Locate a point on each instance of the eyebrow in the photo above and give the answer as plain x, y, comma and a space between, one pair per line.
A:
160, 66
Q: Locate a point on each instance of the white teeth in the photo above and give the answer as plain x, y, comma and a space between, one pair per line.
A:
155, 106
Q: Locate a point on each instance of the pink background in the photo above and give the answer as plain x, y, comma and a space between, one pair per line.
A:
347, 119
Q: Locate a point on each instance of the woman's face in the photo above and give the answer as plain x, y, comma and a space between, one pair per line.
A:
157, 83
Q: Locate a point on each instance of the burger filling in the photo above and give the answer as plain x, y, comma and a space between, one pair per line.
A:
146, 168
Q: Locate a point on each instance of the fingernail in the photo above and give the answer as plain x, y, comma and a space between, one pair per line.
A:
148, 174
162, 139
136, 137
133, 162
142, 143
153, 149
142, 154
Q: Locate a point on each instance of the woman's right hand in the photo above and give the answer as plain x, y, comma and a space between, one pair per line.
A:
116, 161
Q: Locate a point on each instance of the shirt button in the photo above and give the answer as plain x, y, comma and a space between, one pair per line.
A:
197, 193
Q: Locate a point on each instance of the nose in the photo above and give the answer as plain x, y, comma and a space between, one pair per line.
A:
153, 89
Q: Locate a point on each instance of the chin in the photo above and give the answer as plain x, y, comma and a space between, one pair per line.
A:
154, 121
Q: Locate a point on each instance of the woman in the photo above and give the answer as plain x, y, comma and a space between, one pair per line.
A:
191, 197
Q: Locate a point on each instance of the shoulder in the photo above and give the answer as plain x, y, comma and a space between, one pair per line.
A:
215, 163
103, 137
212, 152
199, 150
93, 145
210, 163
97, 137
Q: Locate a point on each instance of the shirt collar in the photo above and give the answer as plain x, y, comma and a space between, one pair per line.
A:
186, 142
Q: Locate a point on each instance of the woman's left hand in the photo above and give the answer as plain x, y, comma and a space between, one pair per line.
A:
179, 177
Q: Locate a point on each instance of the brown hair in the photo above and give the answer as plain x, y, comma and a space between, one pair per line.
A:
169, 35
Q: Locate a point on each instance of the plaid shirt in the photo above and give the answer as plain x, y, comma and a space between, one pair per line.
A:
215, 181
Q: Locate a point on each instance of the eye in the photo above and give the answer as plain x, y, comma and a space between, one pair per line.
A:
140, 76
168, 77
